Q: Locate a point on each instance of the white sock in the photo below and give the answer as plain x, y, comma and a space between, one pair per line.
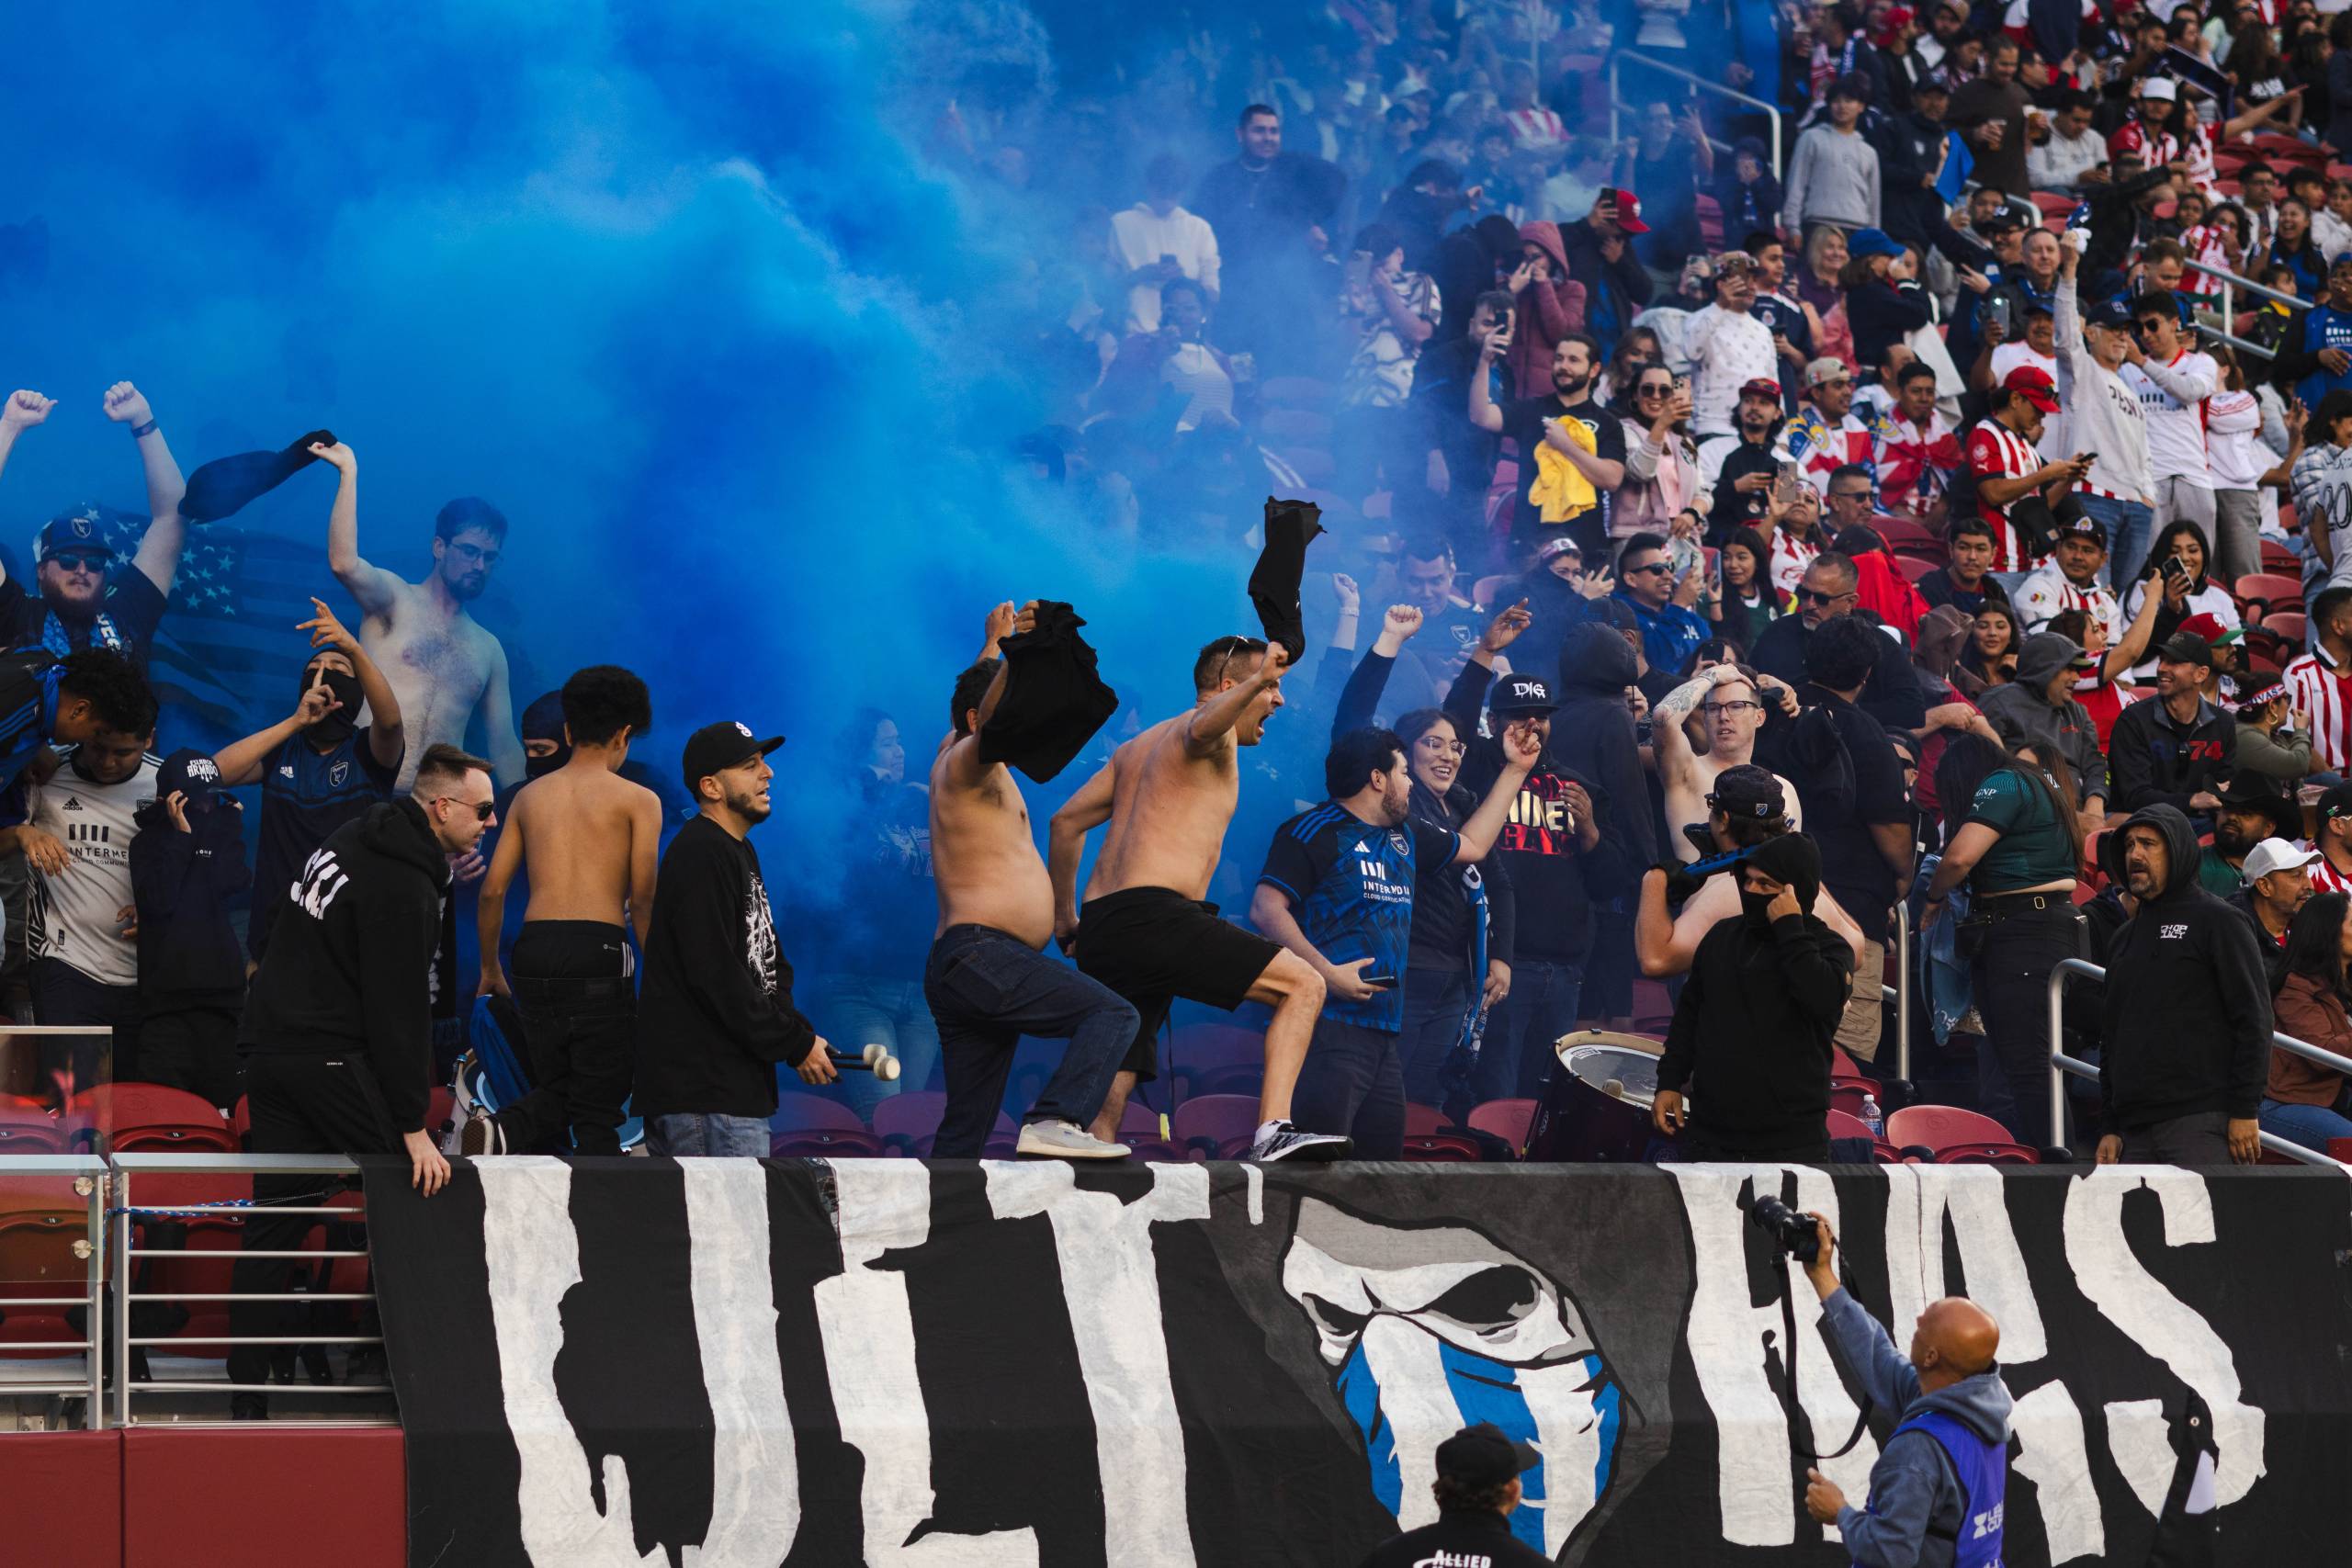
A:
1268, 1129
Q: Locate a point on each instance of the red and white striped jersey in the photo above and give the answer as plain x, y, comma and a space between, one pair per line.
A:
1790, 556
2320, 696
1536, 128
1996, 451
2153, 147
2325, 878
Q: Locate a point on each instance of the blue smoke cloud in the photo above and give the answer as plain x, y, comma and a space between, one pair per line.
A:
676, 286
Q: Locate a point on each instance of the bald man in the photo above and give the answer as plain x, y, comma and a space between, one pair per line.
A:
1937, 1489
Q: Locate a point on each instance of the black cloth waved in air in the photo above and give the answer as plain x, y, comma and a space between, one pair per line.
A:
1053, 700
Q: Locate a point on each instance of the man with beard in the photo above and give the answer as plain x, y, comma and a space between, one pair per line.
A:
1337, 891
442, 664
1564, 484
86, 599
2252, 808
1738, 468
2173, 749
2277, 883
716, 1017
1148, 932
319, 767
2188, 1015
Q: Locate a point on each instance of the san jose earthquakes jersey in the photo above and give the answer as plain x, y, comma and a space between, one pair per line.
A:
1351, 886
78, 916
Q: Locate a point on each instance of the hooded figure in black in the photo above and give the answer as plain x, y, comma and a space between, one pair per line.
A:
1752, 1032
187, 861
2186, 1046
1593, 730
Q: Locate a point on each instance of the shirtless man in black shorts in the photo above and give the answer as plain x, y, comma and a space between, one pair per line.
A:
1169, 796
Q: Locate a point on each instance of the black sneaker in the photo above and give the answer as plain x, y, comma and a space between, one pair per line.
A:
482, 1135
1283, 1140
249, 1407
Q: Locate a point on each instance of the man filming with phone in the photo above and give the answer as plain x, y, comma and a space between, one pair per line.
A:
1936, 1492
1338, 891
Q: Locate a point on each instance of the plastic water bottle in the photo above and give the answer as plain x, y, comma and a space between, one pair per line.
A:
1872, 1117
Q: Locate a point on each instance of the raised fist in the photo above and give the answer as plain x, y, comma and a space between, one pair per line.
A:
24, 410
126, 404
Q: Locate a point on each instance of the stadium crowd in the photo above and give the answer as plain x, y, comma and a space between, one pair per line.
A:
1750, 534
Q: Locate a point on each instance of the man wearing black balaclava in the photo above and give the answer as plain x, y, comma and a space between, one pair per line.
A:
1750, 1041
319, 767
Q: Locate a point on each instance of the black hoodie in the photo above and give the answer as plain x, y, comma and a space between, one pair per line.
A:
350, 962
1754, 1027
181, 883
1890, 695
1593, 730
2187, 1021
1555, 884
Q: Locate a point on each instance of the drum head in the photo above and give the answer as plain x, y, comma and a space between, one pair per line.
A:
1633, 1073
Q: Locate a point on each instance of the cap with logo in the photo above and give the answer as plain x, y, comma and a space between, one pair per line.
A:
2085, 526
2208, 627
2034, 382
1826, 370
2275, 854
2113, 313
1522, 694
1484, 1455
2337, 802
1748, 791
1760, 387
714, 747
2186, 647
81, 531
1628, 210
189, 772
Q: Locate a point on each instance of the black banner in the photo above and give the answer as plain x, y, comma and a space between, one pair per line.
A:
711, 1362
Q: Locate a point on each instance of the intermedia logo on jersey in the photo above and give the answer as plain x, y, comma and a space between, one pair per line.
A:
322, 877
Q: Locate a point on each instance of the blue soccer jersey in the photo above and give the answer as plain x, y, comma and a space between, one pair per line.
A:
1351, 886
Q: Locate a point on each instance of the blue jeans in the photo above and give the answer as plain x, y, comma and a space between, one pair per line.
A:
1353, 1085
1436, 1001
685, 1133
2130, 527
1517, 1057
988, 989
873, 1010
2310, 1125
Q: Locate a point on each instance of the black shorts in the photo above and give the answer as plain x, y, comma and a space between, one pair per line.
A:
1152, 945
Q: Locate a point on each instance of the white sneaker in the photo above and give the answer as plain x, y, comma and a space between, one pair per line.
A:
1280, 1140
481, 1135
1061, 1140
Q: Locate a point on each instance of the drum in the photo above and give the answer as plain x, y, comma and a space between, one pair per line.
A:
1597, 1107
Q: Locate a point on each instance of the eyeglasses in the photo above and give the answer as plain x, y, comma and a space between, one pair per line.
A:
482, 808
1643, 571
1712, 708
474, 553
1814, 596
1445, 747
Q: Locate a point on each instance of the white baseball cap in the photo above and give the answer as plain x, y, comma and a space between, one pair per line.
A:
2157, 87
2275, 854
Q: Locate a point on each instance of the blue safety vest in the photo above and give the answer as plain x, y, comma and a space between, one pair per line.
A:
1983, 1469
2326, 327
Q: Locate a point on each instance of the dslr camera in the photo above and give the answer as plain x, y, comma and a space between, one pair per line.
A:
1792, 1233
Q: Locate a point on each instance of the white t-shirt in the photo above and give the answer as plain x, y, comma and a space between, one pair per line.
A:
2232, 422
74, 914
1140, 236
2177, 446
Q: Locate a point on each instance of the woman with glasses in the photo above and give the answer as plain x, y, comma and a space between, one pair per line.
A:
1458, 956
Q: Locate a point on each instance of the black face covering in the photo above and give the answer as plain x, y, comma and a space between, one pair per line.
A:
543, 720
337, 726
1753, 906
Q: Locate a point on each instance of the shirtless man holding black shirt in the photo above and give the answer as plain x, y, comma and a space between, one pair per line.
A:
988, 981
1149, 935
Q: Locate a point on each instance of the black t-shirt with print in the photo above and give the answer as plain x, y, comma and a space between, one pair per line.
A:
1524, 423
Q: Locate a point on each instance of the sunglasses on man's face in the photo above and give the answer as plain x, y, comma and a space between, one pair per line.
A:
1643, 571
81, 560
2150, 324
1814, 596
481, 808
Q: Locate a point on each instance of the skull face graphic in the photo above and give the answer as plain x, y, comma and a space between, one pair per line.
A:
1431, 1329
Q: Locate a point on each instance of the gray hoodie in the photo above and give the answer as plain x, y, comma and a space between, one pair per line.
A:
2023, 717
1915, 1505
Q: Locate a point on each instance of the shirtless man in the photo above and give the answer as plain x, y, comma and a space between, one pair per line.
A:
441, 663
1169, 796
988, 981
1746, 806
1730, 702
588, 839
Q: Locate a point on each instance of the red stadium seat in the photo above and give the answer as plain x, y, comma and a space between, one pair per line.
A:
2288, 626
1958, 1137
1485, 592
2277, 557
1211, 1125
1842, 1065
810, 1126
1914, 567
40, 1224
30, 1133
1441, 1148
905, 1120
1421, 1119
2266, 589
1841, 1125
1505, 1118
145, 1118
1216, 1059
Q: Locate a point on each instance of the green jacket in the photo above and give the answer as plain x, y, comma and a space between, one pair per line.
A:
2286, 755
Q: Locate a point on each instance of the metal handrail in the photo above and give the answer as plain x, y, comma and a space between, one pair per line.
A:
2236, 281
2061, 1064
1616, 103
1900, 992
90, 1184
127, 1166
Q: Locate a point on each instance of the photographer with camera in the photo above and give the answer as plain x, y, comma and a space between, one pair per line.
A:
1936, 1492
1754, 1023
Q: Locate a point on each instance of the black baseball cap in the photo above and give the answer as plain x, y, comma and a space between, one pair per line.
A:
2087, 526
1748, 791
1484, 1455
714, 747
2113, 314
1519, 693
2186, 647
189, 773
2337, 802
